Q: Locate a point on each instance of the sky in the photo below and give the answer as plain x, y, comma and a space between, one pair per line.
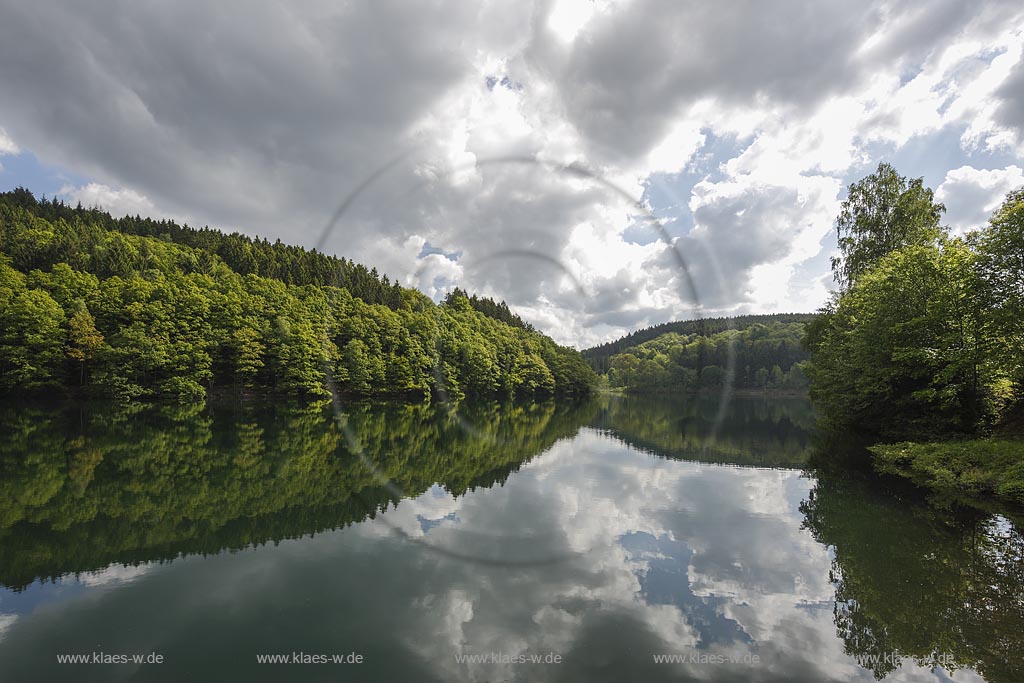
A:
601, 165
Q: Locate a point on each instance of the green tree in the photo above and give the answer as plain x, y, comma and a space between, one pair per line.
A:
1001, 269
31, 339
925, 337
358, 368
65, 284
535, 377
796, 378
84, 340
902, 353
712, 376
883, 212
248, 354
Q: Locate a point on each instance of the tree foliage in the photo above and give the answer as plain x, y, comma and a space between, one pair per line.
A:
924, 339
760, 356
882, 212
490, 308
1000, 266
153, 308
600, 357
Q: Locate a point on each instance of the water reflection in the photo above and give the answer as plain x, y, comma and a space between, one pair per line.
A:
84, 486
937, 586
760, 432
244, 529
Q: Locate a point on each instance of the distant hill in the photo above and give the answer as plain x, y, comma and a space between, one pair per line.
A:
599, 357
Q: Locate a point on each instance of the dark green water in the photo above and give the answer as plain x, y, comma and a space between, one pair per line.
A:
606, 535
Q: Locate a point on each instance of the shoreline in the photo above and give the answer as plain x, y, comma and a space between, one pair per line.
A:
744, 393
989, 469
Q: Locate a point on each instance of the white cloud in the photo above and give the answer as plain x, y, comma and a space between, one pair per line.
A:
115, 573
7, 145
971, 195
6, 622
568, 17
751, 234
676, 149
118, 202
979, 104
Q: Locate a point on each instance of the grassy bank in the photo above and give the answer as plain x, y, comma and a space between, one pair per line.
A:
978, 467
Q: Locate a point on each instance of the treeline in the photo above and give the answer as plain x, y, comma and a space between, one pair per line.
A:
245, 255
490, 308
760, 356
85, 304
925, 336
600, 357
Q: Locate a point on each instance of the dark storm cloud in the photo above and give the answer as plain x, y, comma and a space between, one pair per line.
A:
224, 109
639, 65
629, 77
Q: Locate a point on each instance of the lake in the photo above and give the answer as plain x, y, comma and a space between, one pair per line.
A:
619, 539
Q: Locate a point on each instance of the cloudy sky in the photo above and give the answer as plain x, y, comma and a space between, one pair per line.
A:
601, 165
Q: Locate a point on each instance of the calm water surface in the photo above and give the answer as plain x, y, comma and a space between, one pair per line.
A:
606, 535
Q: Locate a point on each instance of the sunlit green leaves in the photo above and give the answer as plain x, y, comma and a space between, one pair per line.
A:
152, 316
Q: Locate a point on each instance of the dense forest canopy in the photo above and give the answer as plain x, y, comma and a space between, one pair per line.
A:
244, 255
600, 357
490, 308
753, 352
925, 336
133, 307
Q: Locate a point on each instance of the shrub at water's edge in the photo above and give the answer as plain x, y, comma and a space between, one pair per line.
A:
976, 467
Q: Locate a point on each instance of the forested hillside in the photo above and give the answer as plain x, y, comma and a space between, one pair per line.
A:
244, 255
134, 307
759, 356
490, 308
600, 357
